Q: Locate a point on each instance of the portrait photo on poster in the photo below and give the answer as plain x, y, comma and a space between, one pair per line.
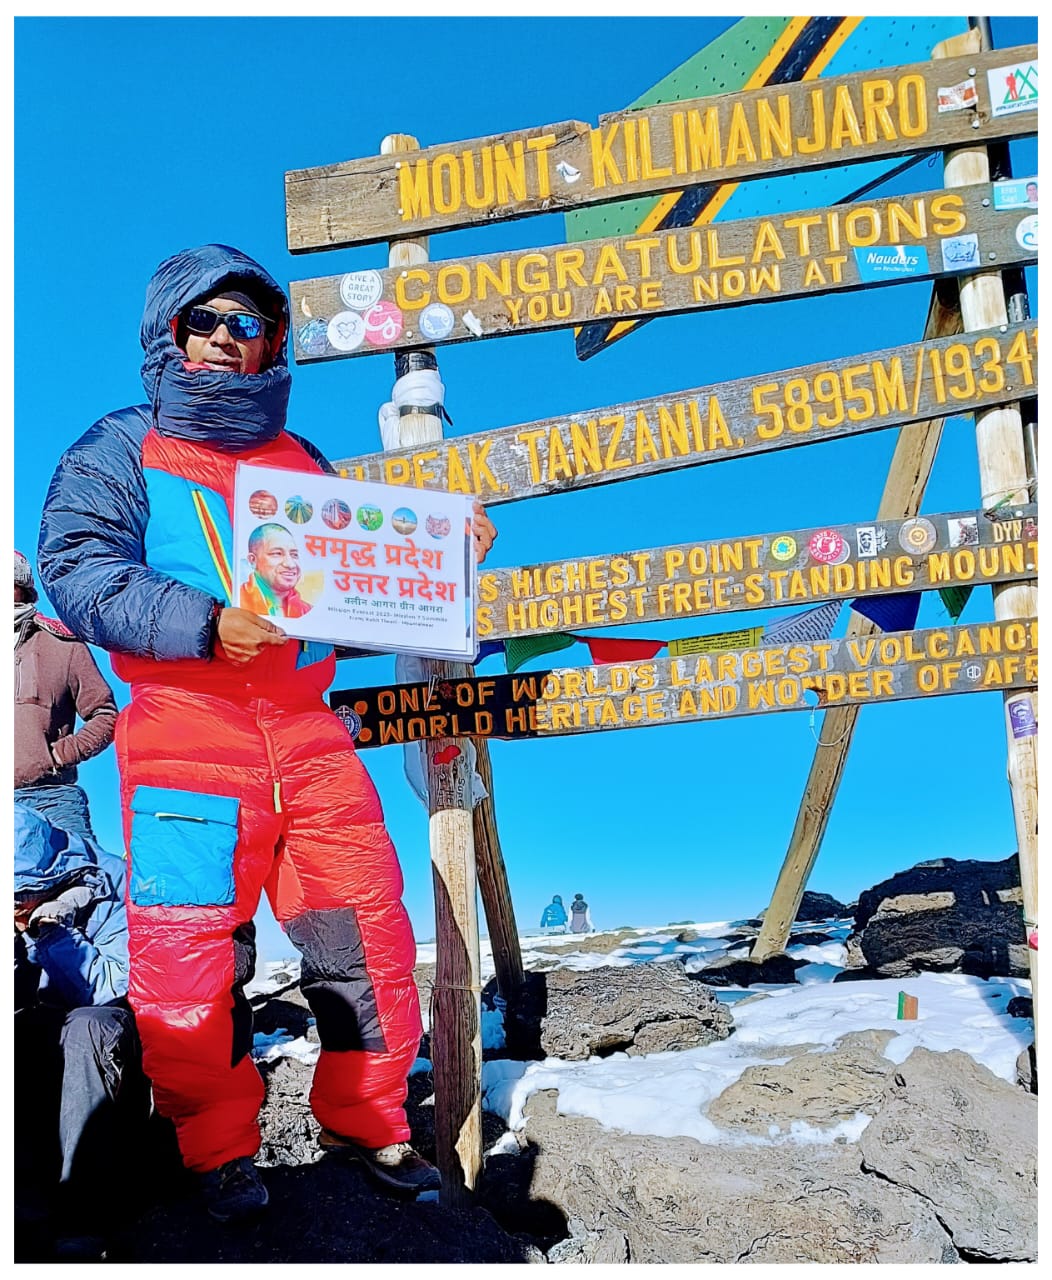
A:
356, 563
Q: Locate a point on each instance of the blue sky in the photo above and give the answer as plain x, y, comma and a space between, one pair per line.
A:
137, 137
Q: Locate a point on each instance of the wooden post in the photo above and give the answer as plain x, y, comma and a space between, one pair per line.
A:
908, 475
456, 1035
1003, 477
1003, 474
456, 1020
493, 886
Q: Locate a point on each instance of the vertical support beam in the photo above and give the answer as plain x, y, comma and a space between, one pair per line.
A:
1003, 476
494, 888
908, 475
456, 1021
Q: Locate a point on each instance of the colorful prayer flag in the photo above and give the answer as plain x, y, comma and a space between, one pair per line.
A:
745, 638
618, 650
890, 613
489, 647
520, 649
815, 624
954, 599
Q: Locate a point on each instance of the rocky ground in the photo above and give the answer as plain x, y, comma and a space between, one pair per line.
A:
944, 1172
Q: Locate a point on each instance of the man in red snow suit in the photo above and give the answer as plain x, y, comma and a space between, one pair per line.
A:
236, 778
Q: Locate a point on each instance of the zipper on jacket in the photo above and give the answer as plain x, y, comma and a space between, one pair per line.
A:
272, 761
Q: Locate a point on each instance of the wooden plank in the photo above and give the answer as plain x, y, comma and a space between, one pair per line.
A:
866, 244
711, 423
907, 479
893, 666
762, 132
759, 571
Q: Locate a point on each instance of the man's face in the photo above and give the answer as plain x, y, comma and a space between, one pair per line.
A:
218, 349
277, 562
20, 594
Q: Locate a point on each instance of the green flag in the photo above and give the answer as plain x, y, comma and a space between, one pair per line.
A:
521, 649
954, 599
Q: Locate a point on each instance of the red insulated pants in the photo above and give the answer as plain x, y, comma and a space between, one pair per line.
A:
226, 797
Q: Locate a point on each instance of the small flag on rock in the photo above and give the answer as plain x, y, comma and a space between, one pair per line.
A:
907, 1007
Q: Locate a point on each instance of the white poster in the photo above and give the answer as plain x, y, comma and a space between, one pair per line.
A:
372, 566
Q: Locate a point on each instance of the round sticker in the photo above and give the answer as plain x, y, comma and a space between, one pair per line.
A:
438, 526
383, 324
369, 517
298, 509
1026, 233
828, 547
436, 321
346, 331
404, 520
337, 514
360, 289
262, 503
352, 723
917, 536
783, 547
313, 337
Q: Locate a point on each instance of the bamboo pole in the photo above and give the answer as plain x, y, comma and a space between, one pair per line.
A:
456, 1019
1003, 476
908, 475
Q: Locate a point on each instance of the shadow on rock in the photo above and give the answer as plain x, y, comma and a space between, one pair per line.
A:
523, 1014
505, 1191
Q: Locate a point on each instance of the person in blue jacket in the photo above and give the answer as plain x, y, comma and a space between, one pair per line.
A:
554, 915
236, 777
77, 1056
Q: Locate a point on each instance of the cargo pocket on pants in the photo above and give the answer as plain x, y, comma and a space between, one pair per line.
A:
182, 848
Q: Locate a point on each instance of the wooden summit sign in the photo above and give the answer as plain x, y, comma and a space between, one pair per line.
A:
855, 670
756, 133
798, 567
926, 379
785, 255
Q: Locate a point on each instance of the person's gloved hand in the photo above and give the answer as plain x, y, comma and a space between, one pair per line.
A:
61, 910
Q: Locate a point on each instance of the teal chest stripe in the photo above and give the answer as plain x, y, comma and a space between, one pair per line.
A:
176, 540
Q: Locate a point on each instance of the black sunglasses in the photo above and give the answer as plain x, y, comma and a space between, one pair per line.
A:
241, 325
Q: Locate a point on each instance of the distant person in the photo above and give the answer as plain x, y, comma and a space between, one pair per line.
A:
80, 1094
56, 682
553, 918
580, 919
271, 587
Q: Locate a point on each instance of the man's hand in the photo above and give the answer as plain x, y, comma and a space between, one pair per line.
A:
484, 532
62, 910
243, 636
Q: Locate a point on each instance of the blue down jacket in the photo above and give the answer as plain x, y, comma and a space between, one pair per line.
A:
92, 537
86, 964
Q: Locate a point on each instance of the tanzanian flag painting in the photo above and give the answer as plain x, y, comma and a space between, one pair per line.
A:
754, 53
